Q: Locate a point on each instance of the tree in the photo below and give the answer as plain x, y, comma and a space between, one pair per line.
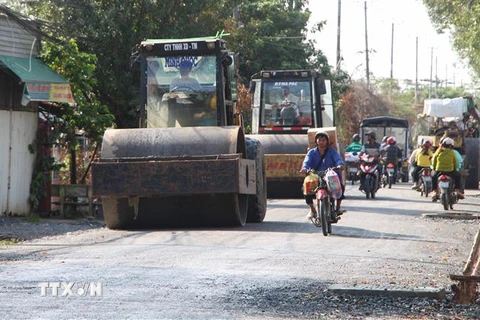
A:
264, 33
357, 104
270, 35
460, 17
87, 114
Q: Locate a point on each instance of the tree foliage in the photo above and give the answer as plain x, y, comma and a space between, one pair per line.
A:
87, 114
357, 104
461, 18
269, 36
265, 34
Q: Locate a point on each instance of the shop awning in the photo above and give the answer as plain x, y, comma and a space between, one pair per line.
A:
41, 82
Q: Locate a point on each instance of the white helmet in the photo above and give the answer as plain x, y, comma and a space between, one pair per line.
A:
447, 142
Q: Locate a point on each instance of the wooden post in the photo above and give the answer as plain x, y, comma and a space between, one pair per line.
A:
466, 290
62, 202
472, 265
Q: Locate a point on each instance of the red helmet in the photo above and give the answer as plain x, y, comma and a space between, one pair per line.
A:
427, 144
391, 140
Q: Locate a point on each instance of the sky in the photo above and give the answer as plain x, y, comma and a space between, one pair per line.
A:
410, 20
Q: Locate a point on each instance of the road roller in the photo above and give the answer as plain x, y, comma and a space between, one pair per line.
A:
189, 163
287, 104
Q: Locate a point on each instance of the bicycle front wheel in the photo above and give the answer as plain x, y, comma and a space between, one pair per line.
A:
331, 215
324, 215
316, 220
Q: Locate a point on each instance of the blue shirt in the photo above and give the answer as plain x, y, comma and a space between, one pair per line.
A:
459, 160
331, 159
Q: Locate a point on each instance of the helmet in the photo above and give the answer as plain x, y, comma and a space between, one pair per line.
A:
356, 137
322, 134
391, 140
427, 144
384, 139
421, 142
186, 64
372, 134
447, 142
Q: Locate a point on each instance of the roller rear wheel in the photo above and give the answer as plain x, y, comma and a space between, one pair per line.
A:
257, 204
117, 213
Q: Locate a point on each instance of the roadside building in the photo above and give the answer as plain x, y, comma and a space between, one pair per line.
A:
26, 83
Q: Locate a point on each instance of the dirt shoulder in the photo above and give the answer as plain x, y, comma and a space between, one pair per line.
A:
18, 229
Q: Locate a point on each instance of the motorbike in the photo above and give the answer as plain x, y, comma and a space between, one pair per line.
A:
352, 166
388, 175
369, 169
425, 182
326, 194
448, 196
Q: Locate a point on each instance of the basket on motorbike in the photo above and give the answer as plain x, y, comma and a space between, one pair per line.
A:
352, 163
311, 183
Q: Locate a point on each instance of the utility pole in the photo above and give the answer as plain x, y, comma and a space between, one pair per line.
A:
416, 70
366, 48
338, 36
454, 69
431, 74
391, 65
436, 76
446, 75
391, 55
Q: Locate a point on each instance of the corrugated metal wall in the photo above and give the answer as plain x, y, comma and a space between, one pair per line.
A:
16, 162
15, 40
18, 128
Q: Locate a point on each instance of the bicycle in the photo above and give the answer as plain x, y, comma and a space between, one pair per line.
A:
326, 214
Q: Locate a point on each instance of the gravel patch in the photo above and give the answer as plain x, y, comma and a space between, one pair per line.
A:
20, 229
306, 300
294, 299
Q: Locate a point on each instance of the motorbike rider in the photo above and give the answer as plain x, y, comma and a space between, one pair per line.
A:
355, 147
392, 153
413, 162
444, 161
372, 148
423, 159
319, 159
384, 143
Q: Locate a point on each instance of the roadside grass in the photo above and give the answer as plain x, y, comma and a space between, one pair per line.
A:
7, 241
33, 218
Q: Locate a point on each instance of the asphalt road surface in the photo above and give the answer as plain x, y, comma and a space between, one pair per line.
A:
281, 268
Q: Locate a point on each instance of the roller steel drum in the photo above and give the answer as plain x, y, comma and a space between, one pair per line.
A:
284, 154
196, 150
